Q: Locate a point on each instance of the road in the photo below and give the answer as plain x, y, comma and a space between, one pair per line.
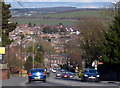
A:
53, 81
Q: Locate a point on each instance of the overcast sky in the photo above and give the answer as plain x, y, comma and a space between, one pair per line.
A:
61, 0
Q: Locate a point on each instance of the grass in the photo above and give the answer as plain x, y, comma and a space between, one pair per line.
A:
74, 14
81, 13
84, 13
49, 21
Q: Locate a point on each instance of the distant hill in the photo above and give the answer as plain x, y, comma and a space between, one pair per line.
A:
18, 4
38, 11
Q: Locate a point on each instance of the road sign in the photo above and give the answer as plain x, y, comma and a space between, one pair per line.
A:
0, 39
0, 56
2, 50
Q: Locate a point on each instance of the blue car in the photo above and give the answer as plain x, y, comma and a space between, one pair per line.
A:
37, 74
90, 75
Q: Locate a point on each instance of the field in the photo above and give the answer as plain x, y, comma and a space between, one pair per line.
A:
42, 21
54, 18
82, 13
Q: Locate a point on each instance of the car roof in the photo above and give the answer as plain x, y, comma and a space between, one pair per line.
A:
90, 69
36, 69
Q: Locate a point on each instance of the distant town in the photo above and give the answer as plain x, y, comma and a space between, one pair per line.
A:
57, 34
60, 44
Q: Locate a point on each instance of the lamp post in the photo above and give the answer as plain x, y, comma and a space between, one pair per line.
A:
33, 54
8, 61
50, 59
22, 36
33, 60
21, 57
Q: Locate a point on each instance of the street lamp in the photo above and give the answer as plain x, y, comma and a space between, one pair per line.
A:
22, 36
50, 59
33, 53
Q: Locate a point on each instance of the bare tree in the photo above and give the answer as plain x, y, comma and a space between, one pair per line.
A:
91, 39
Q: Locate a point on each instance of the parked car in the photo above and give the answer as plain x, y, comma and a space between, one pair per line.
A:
58, 74
76, 73
71, 75
37, 74
90, 75
54, 70
63, 70
65, 75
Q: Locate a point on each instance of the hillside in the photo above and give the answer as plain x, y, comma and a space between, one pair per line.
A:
40, 11
66, 17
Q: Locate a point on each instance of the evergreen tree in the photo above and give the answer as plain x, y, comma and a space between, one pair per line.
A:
112, 43
46, 29
6, 25
5, 15
29, 25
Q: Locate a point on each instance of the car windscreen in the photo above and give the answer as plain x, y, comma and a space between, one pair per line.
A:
55, 68
64, 74
91, 71
37, 70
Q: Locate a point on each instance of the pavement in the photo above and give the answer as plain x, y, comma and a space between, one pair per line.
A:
114, 82
53, 81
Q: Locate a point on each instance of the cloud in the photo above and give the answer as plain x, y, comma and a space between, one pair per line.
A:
60, 0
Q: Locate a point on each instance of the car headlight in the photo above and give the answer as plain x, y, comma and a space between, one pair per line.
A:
98, 75
86, 75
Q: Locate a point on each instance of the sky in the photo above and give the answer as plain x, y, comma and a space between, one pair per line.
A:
60, 0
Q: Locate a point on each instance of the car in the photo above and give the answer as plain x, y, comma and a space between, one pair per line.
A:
71, 75
65, 75
90, 75
58, 74
63, 70
76, 73
37, 74
54, 70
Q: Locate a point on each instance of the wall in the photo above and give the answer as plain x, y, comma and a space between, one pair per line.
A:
4, 73
109, 72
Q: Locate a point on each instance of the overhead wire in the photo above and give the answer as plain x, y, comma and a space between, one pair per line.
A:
19, 2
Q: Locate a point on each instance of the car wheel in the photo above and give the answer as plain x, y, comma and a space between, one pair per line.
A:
82, 80
29, 81
97, 81
44, 81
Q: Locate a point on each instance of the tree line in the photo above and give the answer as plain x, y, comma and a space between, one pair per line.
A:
96, 41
